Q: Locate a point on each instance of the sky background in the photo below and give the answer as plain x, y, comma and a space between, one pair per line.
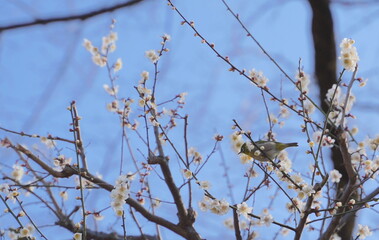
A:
43, 68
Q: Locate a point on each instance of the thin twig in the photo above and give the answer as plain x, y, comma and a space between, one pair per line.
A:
79, 152
37, 136
30, 219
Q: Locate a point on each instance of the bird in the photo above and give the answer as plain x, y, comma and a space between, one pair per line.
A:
269, 150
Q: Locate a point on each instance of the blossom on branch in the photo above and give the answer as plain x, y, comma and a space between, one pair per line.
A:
335, 176
349, 55
258, 78
120, 193
243, 209
363, 231
18, 172
152, 55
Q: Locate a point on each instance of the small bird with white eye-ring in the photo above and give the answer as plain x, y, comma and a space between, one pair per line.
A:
268, 149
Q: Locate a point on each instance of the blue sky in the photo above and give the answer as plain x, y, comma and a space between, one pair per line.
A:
44, 68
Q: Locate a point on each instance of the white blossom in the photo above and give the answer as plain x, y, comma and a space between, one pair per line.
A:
243, 209
363, 231
258, 78
205, 185
237, 141
111, 90
118, 65
266, 218
187, 173
327, 141
77, 236
335, 176
18, 172
349, 55
120, 193
152, 55
303, 81
229, 223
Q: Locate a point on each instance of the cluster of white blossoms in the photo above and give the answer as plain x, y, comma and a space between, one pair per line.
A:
24, 233
338, 100
61, 161
373, 143
305, 189
326, 141
265, 218
123, 110
244, 209
362, 160
237, 142
335, 176
187, 174
205, 185
197, 158
84, 183
309, 107
5, 189
284, 112
303, 81
219, 207
245, 225
294, 205
99, 57
152, 55
284, 162
363, 231
296, 182
258, 78
18, 172
349, 55
120, 193
182, 97
229, 223
111, 90
117, 65
274, 119
64, 195
146, 101
121, 107
48, 142
371, 167
144, 92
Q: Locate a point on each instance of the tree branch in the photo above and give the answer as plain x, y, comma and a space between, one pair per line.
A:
68, 171
82, 17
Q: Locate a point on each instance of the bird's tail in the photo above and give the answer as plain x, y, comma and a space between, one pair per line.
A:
294, 144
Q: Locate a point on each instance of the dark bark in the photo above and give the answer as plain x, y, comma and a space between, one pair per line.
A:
325, 72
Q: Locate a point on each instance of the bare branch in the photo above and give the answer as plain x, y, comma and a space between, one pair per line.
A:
82, 17
68, 171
